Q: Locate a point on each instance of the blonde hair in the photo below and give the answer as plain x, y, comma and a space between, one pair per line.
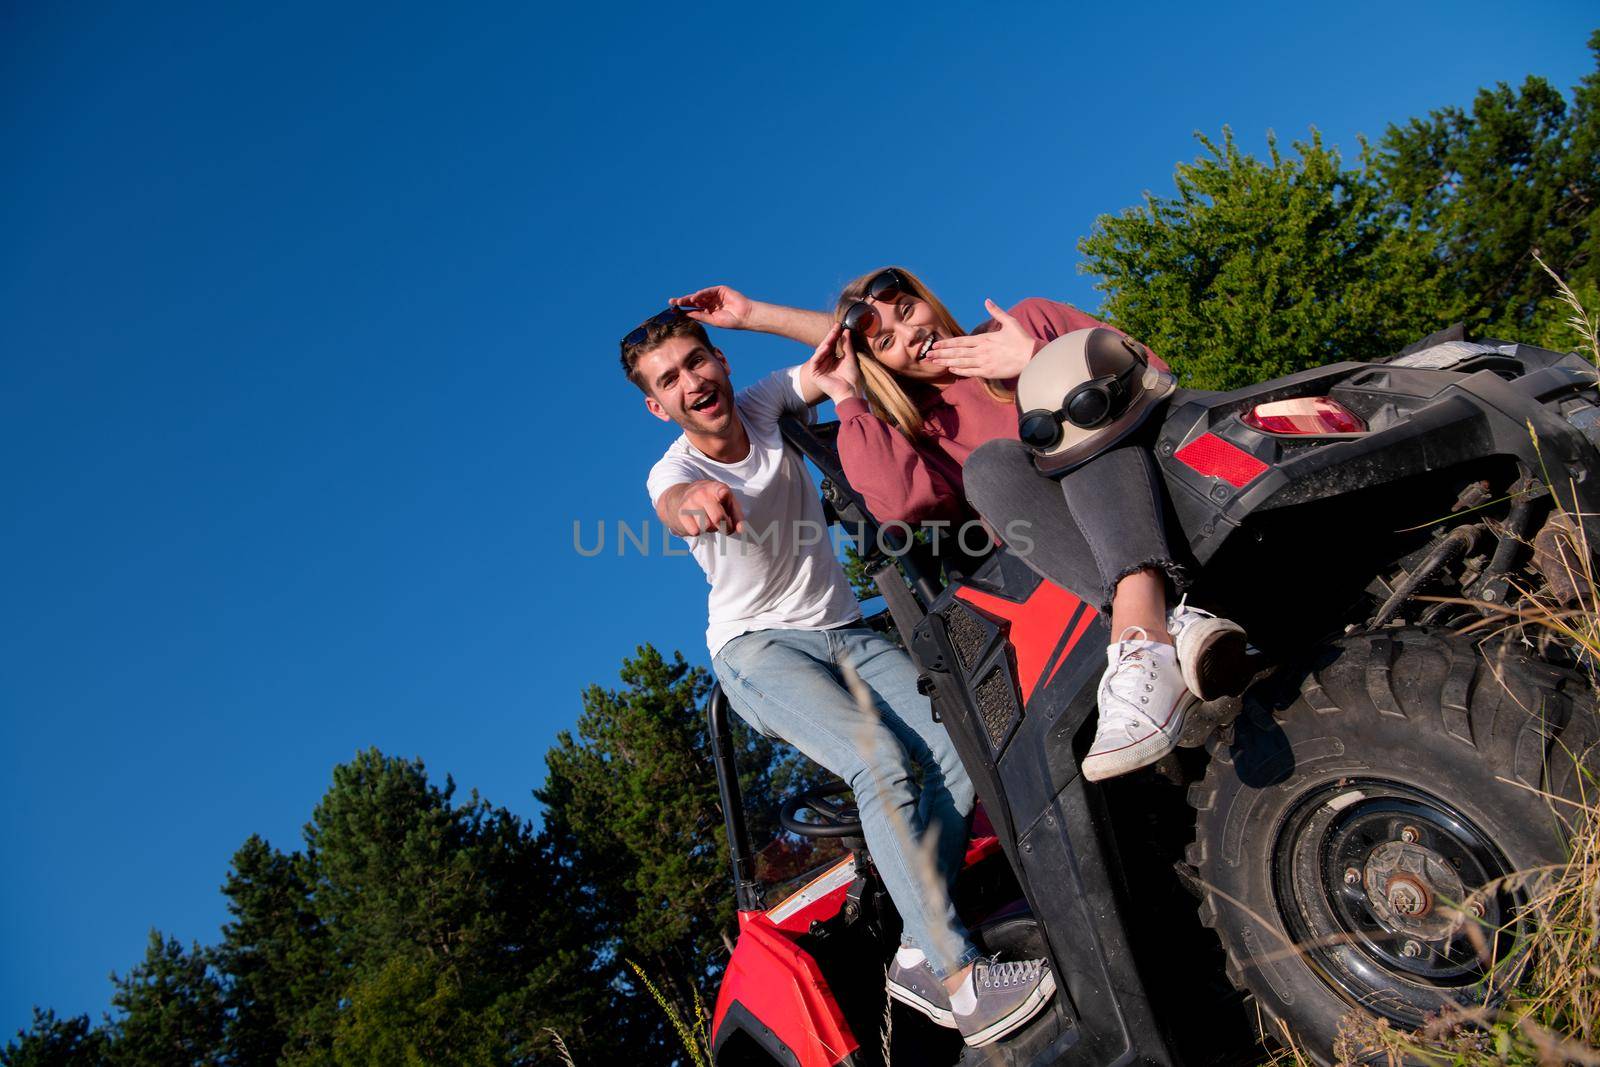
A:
885, 393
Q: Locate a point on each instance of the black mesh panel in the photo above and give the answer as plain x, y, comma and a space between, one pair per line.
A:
995, 706
966, 634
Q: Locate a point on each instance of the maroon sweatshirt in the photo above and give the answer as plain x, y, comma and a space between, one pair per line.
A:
915, 483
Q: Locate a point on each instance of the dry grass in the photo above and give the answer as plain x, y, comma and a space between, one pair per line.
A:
886, 1034
1581, 321
1288, 1050
1550, 1015
1543, 1008
693, 1033
561, 1047
1547, 1012
1542, 1004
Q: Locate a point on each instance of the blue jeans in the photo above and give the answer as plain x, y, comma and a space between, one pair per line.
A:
789, 684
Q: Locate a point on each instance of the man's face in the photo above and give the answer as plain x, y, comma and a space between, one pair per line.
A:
688, 384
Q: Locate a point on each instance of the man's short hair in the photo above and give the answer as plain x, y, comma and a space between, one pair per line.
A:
658, 333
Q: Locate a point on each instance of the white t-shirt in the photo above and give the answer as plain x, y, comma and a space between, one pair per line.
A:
780, 574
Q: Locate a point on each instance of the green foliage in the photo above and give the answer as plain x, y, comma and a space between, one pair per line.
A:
278, 956
171, 1007
631, 806
429, 916
858, 574
1262, 268
1258, 268
418, 928
396, 863
416, 1010
634, 778
53, 1042
1519, 171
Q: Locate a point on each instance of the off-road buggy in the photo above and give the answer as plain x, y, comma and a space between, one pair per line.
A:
1340, 817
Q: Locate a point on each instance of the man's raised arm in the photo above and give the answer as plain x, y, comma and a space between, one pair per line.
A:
724, 306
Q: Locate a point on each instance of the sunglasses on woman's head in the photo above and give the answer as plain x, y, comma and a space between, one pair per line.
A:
641, 332
861, 318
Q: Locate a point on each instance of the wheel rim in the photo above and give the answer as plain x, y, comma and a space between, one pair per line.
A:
1375, 881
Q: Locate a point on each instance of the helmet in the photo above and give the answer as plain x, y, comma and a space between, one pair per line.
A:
1082, 393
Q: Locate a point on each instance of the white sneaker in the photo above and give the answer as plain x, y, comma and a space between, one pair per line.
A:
1143, 701
1213, 653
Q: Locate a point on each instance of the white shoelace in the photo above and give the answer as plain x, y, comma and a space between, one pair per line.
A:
1182, 608
997, 975
1129, 682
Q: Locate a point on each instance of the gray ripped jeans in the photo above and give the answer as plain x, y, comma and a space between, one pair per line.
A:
1085, 531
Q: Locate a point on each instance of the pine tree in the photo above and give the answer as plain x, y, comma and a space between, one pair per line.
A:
439, 925
1519, 171
276, 953
53, 1042
171, 1009
633, 811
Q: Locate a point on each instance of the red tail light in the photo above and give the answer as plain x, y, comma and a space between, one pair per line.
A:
1305, 414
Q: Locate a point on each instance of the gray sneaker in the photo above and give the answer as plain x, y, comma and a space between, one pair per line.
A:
918, 987
1009, 994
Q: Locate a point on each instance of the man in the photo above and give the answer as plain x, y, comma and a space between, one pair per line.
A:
784, 624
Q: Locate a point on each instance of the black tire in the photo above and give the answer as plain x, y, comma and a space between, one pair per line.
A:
1382, 756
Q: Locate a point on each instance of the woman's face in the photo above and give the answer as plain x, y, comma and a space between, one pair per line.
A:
907, 328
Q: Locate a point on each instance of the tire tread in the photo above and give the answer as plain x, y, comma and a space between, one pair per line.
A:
1449, 688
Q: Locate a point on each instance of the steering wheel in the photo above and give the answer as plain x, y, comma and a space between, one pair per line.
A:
831, 814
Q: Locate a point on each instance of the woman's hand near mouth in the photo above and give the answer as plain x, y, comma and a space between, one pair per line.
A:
999, 354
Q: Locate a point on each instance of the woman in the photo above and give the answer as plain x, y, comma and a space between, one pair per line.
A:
928, 422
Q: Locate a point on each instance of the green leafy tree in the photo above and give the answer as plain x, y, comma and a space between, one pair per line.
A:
858, 574
1258, 268
53, 1042
631, 806
417, 1011
170, 1009
1520, 170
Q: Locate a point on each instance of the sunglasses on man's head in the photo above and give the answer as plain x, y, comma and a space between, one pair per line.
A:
640, 333
861, 318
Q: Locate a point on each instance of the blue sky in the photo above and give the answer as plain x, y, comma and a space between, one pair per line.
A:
308, 324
